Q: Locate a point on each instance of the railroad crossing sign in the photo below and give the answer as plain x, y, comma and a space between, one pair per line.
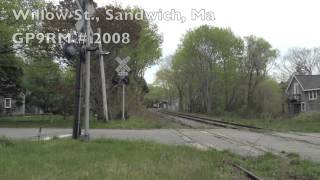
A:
80, 25
123, 69
86, 6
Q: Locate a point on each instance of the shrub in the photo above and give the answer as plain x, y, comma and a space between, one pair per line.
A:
308, 116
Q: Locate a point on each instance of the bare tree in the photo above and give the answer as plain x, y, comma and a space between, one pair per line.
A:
301, 61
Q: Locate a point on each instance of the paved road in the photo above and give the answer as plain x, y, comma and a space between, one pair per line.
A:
238, 141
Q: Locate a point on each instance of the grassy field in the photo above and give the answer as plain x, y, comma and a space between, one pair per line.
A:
143, 121
306, 122
113, 159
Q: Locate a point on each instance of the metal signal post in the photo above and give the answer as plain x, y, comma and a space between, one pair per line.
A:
123, 100
70, 52
123, 71
84, 25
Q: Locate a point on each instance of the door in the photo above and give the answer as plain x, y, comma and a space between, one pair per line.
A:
296, 108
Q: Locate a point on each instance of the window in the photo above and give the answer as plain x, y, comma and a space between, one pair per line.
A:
312, 95
303, 107
295, 88
7, 103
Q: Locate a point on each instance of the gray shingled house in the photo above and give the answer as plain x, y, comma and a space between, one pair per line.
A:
302, 93
12, 105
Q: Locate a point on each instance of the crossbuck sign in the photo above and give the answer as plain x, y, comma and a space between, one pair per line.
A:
123, 69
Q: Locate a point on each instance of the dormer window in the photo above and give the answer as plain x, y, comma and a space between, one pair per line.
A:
296, 88
313, 95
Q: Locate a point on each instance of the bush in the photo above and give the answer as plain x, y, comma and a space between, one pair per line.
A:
5, 142
308, 116
267, 99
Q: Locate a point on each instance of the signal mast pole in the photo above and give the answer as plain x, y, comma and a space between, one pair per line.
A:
77, 109
87, 79
77, 113
84, 25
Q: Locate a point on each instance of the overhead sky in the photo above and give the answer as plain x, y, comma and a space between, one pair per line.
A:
284, 23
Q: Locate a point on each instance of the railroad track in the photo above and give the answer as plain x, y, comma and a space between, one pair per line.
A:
249, 174
264, 132
232, 125
211, 121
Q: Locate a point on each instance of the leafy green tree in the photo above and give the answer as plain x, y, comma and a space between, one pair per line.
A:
10, 75
65, 90
214, 71
268, 98
166, 80
42, 78
11, 67
9, 25
259, 54
144, 50
155, 95
202, 68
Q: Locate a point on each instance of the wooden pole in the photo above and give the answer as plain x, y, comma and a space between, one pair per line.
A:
87, 79
77, 113
103, 81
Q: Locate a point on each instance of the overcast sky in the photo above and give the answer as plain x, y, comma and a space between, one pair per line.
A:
284, 23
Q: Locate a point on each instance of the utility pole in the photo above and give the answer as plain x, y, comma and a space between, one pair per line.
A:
83, 26
77, 113
87, 79
103, 79
89, 9
70, 52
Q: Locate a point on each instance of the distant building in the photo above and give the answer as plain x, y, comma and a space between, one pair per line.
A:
163, 104
303, 93
12, 105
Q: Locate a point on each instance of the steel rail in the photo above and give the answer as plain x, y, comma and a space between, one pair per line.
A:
211, 121
231, 125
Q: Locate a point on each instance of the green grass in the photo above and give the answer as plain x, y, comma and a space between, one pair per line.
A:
306, 122
56, 121
114, 159
136, 122
36, 121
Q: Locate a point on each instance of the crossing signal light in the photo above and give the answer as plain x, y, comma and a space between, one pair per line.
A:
115, 80
118, 80
125, 80
69, 51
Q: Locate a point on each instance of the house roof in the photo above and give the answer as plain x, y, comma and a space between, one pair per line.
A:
307, 82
